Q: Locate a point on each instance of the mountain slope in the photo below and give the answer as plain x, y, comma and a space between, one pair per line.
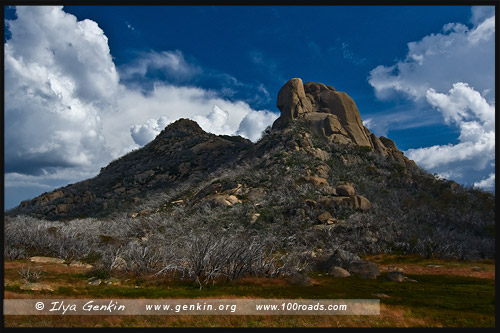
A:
182, 152
318, 179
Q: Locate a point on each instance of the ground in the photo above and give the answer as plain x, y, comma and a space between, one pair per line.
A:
447, 293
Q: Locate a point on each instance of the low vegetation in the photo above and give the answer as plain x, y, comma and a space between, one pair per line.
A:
454, 299
30, 275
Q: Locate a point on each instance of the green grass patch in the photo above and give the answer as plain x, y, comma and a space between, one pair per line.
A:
445, 300
416, 259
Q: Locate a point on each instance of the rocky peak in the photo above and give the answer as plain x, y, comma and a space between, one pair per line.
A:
329, 113
183, 125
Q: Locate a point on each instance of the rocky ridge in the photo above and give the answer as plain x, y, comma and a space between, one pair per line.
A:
181, 153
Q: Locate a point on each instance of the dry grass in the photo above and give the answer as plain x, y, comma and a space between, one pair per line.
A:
260, 281
460, 271
390, 316
418, 266
11, 267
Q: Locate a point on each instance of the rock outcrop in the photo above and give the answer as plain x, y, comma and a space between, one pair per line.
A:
345, 195
330, 114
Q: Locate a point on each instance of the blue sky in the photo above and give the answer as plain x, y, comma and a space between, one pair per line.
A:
86, 84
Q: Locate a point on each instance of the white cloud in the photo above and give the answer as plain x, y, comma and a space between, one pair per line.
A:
452, 71
146, 132
254, 123
67, 114
484, 32
212, 113
470, 155
215, 121
169, 65
463, 103
465, 108
401, 117
59, 78
487, 183
458, 54
368, 123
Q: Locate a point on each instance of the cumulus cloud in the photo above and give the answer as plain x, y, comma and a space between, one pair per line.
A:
457, 54
487, 183
252, 125
212, 113
462, 103
59, 77
452, 72
144, 133
215, 122
465, 108
68, 111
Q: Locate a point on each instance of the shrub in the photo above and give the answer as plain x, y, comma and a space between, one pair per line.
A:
30, 275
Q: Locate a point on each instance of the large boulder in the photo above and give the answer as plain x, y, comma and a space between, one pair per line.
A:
322, 170
326, 218
345, 190
336, 202
343, 258
395, 276
342, 106
377, 144
338, 272
327, 125
292, 102
365, 269
316, 181
362, 203
54, 195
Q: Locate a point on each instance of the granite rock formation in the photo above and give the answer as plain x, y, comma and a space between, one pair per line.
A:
331, 114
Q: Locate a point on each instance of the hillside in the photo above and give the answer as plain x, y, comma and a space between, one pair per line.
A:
318, 189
